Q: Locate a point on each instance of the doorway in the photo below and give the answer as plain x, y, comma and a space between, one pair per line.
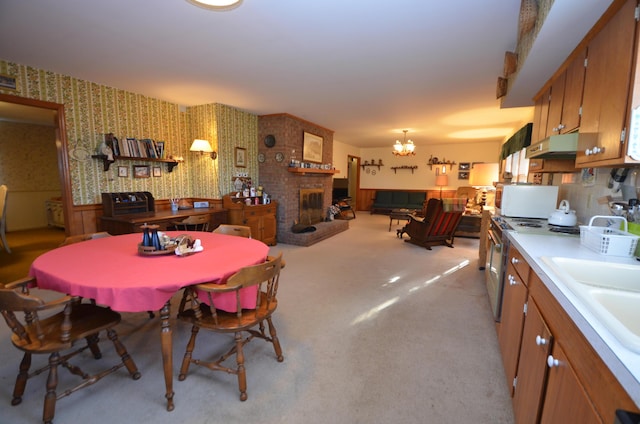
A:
353, 177
19, 109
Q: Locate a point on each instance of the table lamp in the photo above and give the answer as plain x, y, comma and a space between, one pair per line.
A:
441, 181
483, 175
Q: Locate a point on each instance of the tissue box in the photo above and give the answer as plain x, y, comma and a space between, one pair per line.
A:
200, 204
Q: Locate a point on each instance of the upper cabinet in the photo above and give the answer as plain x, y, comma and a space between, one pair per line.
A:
557, 109
541, 116
572, 95
607, 87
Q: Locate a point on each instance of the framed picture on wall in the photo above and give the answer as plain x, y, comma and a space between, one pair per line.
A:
141, 171
123, 171
157, 171
463, 175
312, 148
241, 157
8, 83
464, 166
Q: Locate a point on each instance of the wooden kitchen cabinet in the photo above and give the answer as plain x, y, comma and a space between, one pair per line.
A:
513, 312
541, 116
532, 367
556, 99
260, 218
552, 165
566, 400
607, 88
577, 386
573, 90
557, 109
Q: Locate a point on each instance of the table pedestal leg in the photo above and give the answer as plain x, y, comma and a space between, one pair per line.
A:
167, 349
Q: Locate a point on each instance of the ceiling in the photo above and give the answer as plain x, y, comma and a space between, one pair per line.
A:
365, 69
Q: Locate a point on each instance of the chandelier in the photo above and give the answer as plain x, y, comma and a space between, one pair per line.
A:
406, 148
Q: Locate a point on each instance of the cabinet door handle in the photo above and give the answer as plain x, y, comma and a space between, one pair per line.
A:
552, 362
540, 341
512, 280
515, 261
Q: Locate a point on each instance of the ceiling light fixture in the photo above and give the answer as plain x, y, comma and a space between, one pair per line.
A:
405, 148
219, 5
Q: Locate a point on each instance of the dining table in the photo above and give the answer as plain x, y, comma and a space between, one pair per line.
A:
112, 272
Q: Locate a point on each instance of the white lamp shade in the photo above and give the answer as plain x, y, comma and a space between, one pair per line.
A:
201, 146
442, 180
483, 174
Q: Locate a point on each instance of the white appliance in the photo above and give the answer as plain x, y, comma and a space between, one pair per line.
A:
526, 201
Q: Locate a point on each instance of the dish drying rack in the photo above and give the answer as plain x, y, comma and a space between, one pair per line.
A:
608, 240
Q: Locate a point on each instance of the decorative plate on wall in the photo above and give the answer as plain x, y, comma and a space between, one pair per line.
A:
270, 140
261, 157
279, 157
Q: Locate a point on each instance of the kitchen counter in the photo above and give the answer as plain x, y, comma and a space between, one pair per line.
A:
623, 363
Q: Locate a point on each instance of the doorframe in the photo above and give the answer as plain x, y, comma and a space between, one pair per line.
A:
61, 149
354, 161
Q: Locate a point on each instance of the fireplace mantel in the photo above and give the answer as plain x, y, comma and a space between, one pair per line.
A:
303, 171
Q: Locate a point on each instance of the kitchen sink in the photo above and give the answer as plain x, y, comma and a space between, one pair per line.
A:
611, 291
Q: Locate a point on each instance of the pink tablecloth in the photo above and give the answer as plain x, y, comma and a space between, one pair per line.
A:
111, 271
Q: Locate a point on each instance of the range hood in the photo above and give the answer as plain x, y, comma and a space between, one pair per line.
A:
561, 146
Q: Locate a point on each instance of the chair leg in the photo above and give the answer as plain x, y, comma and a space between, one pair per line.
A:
52, 384
242, 374
2, 235
21, 379
184, 368
124, 355
275, 341
92, 342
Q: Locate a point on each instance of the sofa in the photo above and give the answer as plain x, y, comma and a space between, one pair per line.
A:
387, 200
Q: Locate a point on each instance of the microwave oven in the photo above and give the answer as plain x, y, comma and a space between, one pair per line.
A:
526, 201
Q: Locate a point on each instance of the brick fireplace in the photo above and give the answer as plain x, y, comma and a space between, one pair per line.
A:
286, 188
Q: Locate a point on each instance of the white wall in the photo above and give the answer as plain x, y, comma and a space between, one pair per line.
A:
423, 177
341, 152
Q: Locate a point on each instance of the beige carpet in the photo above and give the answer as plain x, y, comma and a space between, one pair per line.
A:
374, 330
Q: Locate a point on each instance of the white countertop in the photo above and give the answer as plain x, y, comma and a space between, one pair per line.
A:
623, 363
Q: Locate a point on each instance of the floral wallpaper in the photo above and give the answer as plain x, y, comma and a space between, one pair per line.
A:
26, 154
91, 110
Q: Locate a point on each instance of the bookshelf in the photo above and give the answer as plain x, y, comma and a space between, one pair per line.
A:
171, 163
145, 150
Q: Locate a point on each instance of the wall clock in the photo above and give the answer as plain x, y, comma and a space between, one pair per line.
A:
279, 157
261, 157
270, 140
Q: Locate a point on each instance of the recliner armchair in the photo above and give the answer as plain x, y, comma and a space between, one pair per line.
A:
438, 228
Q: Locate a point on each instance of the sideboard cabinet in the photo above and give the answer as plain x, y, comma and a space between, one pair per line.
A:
261, 218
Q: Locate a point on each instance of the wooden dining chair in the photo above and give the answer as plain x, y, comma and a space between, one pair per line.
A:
84, 237
58, 335
266, 277
234, 230
192, 223
3, 217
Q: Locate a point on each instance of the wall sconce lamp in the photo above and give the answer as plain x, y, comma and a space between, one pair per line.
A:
203, 146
